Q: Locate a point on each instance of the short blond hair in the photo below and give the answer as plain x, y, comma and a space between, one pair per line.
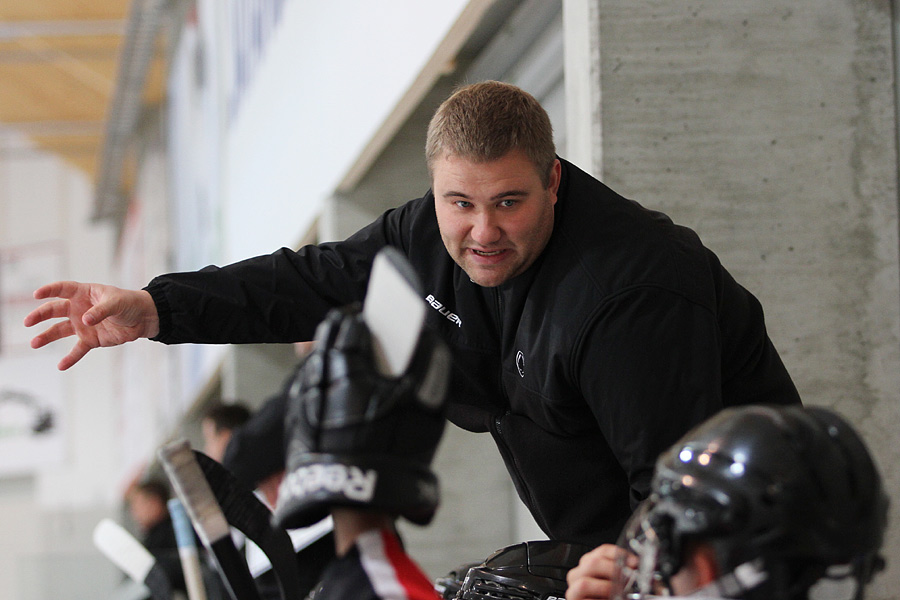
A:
484, 121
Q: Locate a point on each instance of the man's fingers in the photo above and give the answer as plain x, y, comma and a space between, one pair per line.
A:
592, 578
57, 289
53, 333
599, 562
588, 588
48, 310
96, 314
77, 353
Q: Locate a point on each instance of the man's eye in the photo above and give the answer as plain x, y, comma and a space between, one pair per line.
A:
463, 203
507, 203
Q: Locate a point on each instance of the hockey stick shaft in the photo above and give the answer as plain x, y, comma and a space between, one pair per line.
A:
247, 513
187, 550
206, 515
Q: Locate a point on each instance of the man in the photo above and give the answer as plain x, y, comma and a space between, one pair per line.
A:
147, 506
760, 503
588, 333
255, 451
146, 501
218, 425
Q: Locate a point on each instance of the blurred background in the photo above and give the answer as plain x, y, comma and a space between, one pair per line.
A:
145, 136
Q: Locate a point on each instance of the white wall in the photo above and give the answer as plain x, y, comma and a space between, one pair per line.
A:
331, 74
46, 203
270, 104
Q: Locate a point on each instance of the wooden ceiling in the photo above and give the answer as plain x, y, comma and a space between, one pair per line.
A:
58, 73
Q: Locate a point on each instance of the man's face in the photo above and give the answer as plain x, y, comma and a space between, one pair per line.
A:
495, 217
146, 510
214, 440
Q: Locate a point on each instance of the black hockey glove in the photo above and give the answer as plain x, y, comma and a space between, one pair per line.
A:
358, 438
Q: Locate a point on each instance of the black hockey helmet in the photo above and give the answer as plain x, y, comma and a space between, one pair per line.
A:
787, 497
533, 570
448, 586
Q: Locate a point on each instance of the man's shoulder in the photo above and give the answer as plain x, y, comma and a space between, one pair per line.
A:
588, 204
596, 215
414, 216
619, 243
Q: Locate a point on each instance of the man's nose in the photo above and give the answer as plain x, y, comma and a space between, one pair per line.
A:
485, 229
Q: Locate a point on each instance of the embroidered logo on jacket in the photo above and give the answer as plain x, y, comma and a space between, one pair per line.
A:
452, 317
520, 363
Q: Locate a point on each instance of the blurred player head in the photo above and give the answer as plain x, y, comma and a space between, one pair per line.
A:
217, 426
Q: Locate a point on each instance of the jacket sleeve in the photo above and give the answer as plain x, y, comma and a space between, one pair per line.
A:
280, 297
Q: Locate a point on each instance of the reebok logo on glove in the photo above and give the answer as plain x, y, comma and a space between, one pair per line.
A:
352, 482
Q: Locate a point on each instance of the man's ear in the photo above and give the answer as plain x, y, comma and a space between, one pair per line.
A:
554, 181
555, 178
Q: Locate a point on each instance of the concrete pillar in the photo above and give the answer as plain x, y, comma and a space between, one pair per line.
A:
770, 128
581, 32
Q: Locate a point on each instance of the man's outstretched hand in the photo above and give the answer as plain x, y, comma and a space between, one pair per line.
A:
99, 315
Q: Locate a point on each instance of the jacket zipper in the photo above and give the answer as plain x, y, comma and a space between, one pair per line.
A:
498, 312
513, 466
509, 459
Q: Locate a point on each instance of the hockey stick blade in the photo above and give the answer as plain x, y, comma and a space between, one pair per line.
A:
394, 310
128, 554
194, 492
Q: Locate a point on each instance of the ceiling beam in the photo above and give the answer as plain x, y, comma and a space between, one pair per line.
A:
55, 128
134, 64
17, 30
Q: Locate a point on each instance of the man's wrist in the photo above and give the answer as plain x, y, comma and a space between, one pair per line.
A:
158, 307
350, 523
151, 329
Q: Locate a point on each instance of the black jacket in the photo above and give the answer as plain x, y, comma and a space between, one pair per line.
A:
623, 334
